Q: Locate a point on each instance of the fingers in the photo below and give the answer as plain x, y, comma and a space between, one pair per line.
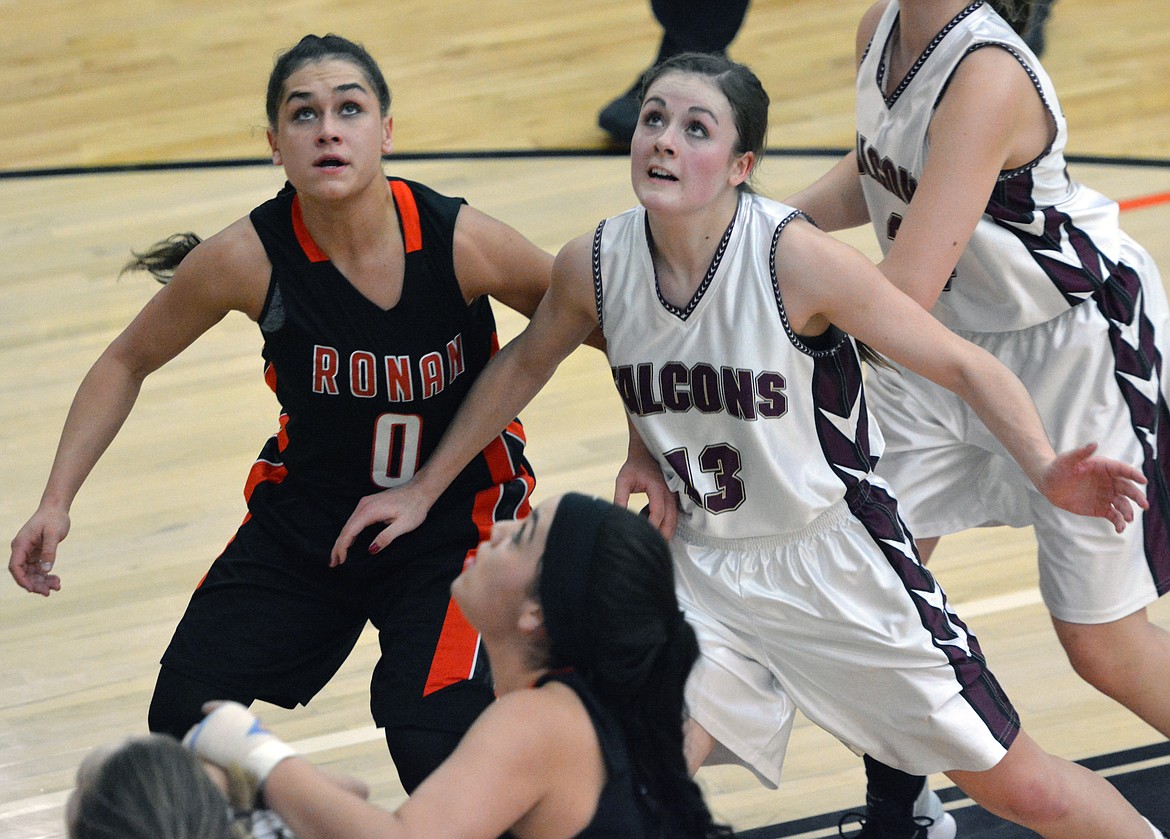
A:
402, 513
341, 546
1130, 473
1121, 513
33, 575
1130, 491
386, 537
663, 510
669, 517
621, 492
358, 521
34, 552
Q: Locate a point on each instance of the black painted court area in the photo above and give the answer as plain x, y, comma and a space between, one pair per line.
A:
1142, 775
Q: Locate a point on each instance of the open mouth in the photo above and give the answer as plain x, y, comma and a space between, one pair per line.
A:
661, 174
330, 163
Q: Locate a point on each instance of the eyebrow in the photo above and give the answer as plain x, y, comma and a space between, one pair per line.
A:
691, 110
534, 520
341, 88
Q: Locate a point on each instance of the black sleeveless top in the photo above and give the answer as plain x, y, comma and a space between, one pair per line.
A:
624, 810
366, 393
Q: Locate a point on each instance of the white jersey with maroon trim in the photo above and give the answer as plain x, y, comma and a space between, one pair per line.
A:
1044, 243
757, 429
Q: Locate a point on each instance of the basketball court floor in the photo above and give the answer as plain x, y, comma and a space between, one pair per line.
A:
125, 124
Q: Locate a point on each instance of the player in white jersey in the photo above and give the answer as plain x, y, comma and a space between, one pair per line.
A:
959, 166
723, 315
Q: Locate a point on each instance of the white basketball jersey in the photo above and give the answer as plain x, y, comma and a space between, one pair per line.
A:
757, 430
1044, 243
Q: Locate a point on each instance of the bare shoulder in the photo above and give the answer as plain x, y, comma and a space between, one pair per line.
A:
575, 256
802, 240
554, 720
230, 268
868, 25
993, 101
492, 257
994, 69
547, 707
815, 271
236, 248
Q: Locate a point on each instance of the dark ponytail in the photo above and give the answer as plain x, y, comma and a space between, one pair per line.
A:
162, 258
611, 614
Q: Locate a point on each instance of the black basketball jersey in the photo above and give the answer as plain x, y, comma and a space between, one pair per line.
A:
366, 393
624, 811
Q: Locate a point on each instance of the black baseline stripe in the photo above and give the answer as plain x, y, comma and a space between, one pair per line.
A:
484, 154
827, 821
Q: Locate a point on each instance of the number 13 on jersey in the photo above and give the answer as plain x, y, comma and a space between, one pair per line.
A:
722, 463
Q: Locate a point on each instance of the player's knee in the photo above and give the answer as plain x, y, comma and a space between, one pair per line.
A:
178, 702
417, 752
1101, 655
1035, 800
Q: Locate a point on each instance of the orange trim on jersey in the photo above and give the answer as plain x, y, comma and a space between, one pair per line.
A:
408, 212
203, 579
455, 653
498, 459
261, 473
314, 253
282, 434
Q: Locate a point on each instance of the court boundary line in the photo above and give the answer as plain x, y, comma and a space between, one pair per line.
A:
825, 824
480, 154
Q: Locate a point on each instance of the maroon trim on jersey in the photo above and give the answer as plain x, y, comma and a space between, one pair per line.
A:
408, 213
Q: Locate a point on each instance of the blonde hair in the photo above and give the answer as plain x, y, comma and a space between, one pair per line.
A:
147, 788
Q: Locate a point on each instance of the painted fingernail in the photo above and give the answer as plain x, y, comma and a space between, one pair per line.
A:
374, 548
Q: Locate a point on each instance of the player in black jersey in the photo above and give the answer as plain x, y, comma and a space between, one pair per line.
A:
590, 654
371, 295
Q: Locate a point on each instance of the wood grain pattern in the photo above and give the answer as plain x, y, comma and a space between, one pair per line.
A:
118, 83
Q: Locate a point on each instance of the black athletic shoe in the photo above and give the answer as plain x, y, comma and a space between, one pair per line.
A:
620, 117
881, 820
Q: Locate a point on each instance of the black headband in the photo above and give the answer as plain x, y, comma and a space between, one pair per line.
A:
564, 574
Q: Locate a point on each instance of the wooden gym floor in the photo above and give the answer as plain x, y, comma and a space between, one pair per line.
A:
109, 108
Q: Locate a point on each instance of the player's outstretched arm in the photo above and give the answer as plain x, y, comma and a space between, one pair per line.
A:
826, 281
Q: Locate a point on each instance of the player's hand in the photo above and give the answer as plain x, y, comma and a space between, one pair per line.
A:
402, 509
1094, 486
232, 736
643, 474
34, 551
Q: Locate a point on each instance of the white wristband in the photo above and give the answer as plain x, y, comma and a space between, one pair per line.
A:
261, 760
